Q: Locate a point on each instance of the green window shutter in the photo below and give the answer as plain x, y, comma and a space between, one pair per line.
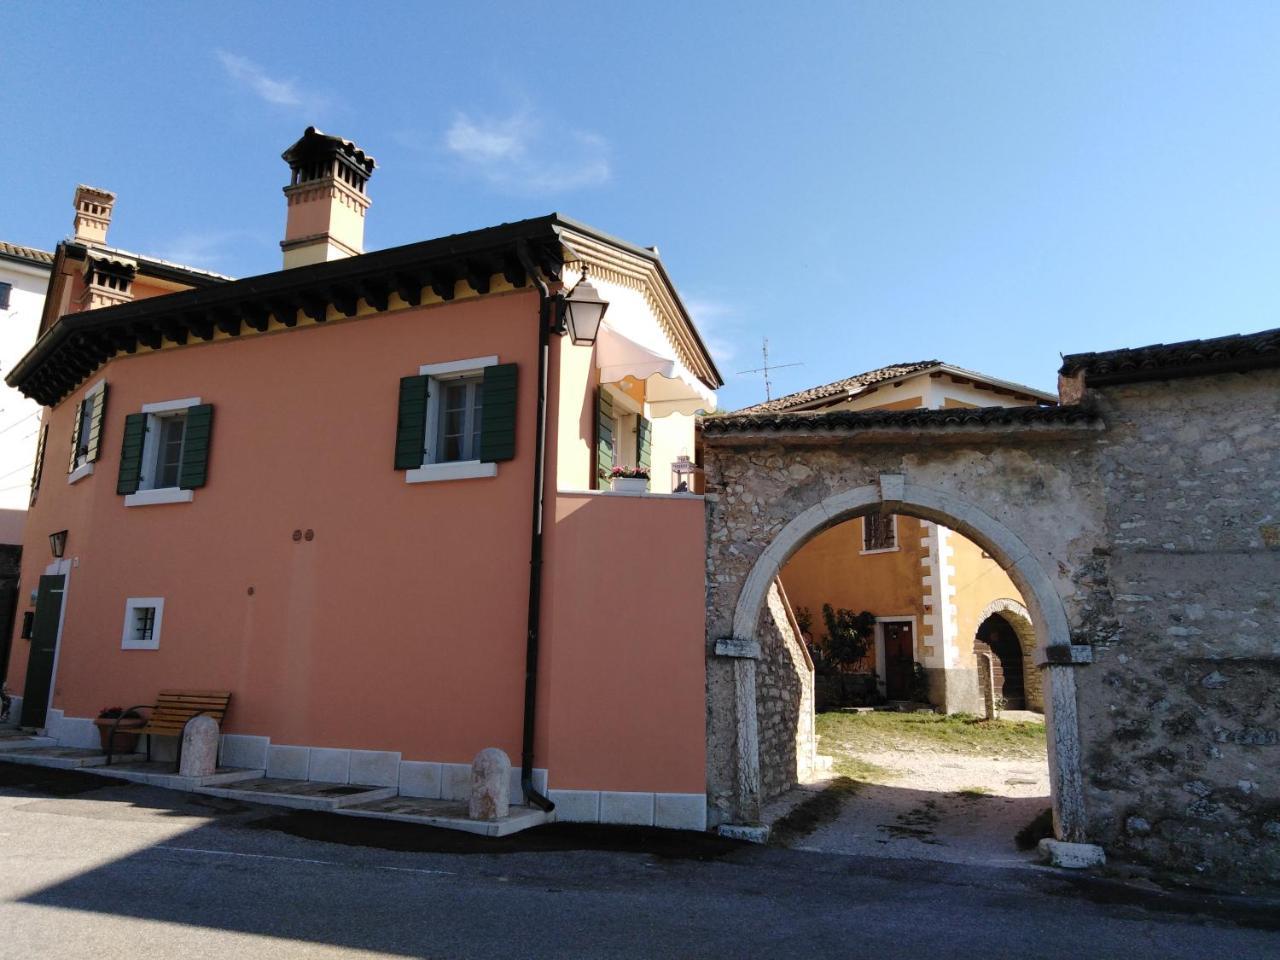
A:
39, 468
75, 435
194, 471
604, 434
498, 415
94, 440
135, 436
644, 442
411, 423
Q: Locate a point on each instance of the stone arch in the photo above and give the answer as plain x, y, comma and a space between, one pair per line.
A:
1044, 608
1019, 618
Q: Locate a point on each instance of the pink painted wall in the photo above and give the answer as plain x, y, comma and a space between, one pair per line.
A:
401, 626
625, 699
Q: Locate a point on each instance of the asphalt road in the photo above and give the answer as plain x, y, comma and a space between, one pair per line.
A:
94, 871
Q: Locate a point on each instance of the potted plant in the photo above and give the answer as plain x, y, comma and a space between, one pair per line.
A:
126, 741
629, 479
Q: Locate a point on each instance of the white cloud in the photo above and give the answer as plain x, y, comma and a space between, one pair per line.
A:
280, 93
717, 323
524, 154
209, 250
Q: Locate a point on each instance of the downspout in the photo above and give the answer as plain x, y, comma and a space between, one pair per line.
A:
535, 544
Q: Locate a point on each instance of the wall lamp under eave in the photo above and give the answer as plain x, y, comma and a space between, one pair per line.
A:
58, 544
581, 311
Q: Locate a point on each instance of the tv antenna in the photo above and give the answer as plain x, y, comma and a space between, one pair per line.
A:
768, 384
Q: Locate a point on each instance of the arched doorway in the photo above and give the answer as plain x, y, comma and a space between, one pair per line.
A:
997, 638
1044, 605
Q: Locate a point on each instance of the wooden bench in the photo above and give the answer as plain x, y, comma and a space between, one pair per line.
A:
171, 712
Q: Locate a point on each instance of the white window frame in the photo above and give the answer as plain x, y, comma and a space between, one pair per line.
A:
429, 472
862, 537
149, 496
84, 467
128, 636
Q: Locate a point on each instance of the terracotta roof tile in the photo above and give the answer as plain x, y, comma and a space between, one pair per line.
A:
14, 251
965, 418
846, 386
1165, 361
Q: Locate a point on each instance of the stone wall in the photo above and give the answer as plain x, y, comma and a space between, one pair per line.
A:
784, 701
1180, 712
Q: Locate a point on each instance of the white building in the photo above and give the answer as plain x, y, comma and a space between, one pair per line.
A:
24, 278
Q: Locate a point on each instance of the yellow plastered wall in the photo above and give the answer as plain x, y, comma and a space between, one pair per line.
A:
977, 580
831, 568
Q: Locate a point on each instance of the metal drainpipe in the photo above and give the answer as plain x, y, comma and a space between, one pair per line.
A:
535, 544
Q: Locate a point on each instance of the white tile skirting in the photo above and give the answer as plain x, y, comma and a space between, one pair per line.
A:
417, 778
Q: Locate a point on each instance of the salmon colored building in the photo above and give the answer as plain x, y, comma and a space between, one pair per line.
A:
939, 600
368, 495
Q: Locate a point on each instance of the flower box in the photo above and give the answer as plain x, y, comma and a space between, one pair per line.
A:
629, 484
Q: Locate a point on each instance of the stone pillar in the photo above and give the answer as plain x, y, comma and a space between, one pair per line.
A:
490, 785
746, 751
199, 747
1062, 724
748, 740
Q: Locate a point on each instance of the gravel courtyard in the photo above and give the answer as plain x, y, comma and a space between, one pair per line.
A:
920, 786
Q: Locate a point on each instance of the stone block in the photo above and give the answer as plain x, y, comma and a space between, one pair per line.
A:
239, 750
680, 811
375, 768
576, 806
455, 781
743, 831
419, 779
628, 808
328, 765
199, 747
287, 763
1072, 856
490, 785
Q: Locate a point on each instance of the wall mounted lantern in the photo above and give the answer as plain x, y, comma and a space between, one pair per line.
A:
681, 471
581, 312
58, 544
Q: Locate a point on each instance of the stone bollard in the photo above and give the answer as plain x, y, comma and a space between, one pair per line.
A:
490, 785
987, 684
199, 747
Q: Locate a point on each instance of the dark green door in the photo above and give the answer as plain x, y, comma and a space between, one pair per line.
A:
44, 642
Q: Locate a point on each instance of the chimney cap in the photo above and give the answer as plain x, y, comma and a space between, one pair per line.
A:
95, 193
316, 145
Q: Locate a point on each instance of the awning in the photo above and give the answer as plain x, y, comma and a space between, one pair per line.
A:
669, 383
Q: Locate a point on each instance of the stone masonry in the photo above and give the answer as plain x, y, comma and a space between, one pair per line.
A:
1141, 524
784, 701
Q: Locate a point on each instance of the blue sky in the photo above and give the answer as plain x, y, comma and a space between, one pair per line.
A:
984, 183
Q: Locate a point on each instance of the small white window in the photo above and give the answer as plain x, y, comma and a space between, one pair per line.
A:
455, 406
879, 532
166, 438
143, 618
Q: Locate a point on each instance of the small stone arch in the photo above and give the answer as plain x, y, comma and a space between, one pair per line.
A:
1044, 610
1019, 618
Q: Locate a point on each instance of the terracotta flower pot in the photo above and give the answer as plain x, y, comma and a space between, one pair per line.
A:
125, 740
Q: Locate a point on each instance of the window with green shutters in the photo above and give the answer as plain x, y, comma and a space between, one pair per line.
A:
39, 463
166, 448
86, 432
644, 443
604, 435
455, 420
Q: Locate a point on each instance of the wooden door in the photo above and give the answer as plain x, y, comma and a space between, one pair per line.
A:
44, 643
899, 659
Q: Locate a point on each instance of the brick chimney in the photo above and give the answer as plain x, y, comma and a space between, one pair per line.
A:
326, 199
108, 281
93, 213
